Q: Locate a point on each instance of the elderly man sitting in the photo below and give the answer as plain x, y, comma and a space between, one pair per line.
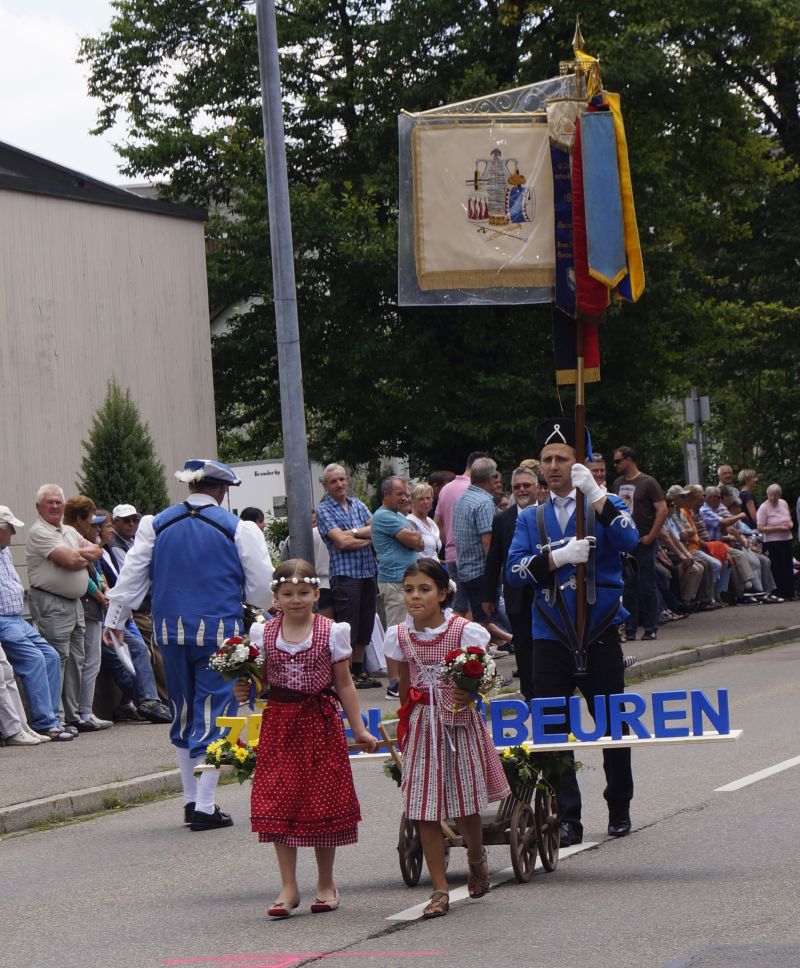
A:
34, 661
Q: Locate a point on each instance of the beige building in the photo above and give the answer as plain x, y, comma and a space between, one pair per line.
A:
95, 282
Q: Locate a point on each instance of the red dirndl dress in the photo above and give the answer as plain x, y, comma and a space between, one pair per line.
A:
303, 793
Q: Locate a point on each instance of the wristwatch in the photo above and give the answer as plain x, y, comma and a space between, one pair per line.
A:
354, 532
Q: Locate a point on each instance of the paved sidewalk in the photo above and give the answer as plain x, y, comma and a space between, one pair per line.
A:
135, 759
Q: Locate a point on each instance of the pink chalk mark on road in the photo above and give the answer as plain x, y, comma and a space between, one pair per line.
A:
287, 960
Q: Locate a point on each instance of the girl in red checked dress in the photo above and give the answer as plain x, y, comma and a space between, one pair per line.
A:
450, 766
303, 793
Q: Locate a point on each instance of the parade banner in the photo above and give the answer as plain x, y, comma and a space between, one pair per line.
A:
483, 206
476, 201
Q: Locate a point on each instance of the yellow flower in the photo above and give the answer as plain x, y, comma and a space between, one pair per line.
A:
216, 745
218, 755
254, 744
506, 753
241, 754
572, 738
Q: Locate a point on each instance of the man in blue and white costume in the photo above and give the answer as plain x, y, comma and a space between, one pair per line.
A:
200, 563
545, 551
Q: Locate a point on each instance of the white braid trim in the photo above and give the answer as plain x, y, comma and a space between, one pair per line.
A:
522, 569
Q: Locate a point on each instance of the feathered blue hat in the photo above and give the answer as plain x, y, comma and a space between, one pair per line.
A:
213, 471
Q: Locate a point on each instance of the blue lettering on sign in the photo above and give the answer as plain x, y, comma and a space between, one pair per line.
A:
540, 719
514, 724
719, 718
662, 716
600, 719
619, 716
512, 721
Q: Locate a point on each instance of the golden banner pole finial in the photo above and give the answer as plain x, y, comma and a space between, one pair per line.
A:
578, 42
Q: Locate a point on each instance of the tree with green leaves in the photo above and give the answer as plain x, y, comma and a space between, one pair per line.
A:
120, 464
710, 99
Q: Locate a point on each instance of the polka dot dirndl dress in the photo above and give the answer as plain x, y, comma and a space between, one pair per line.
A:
450, 765
303, 793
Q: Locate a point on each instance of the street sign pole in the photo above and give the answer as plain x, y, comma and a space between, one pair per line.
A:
293, 420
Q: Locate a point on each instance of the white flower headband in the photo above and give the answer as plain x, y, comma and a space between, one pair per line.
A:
294, 580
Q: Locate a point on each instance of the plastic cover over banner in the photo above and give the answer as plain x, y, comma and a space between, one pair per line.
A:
476, 200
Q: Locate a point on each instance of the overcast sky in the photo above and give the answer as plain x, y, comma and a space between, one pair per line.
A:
44, 107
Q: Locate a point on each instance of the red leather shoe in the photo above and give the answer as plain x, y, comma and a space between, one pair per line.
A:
281, 909
322, 907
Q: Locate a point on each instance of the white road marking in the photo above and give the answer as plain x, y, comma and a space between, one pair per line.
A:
761, 775
461, 893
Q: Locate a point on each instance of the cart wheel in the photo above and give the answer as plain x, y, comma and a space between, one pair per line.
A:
545, 819
522, 840
409, 847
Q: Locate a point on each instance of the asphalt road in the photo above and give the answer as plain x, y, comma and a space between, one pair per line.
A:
707, 879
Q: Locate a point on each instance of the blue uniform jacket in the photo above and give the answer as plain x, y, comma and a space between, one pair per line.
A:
615, 533
196, 576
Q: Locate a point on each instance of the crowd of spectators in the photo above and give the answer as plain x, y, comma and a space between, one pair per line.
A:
73, 554
700, 549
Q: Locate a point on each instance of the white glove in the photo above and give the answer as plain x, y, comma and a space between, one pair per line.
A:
574, 552
583, 480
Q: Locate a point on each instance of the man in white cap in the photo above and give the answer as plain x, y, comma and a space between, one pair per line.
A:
124, 522
34, 661
200, 563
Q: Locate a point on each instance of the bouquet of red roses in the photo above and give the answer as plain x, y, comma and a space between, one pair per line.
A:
472, 669
236, 658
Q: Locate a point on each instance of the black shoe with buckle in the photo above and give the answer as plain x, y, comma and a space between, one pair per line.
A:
619, 827
210, 821
568, 834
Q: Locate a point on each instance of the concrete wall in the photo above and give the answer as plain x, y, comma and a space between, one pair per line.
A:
88, 292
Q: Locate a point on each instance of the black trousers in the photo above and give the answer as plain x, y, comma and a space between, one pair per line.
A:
554, 675
522, 631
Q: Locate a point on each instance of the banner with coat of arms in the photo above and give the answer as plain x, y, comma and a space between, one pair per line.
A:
483, 205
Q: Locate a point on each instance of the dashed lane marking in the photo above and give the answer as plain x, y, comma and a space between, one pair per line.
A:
761, 775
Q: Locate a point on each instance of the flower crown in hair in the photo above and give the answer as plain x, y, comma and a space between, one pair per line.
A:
294, 580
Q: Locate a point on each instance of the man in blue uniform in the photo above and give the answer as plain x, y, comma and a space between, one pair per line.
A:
200, 563
545, 551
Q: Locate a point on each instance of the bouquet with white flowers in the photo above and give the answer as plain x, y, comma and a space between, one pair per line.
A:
236, 658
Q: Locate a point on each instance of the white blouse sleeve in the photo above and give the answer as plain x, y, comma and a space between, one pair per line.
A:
340, 641
391, 645
474, 634
256, 635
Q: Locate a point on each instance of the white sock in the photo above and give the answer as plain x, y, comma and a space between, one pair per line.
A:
186, 765
206, 788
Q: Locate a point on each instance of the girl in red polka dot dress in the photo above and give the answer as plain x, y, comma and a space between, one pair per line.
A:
303, 793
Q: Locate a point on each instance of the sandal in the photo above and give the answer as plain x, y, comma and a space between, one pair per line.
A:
322, 907
478, 880
281, 909
438, 905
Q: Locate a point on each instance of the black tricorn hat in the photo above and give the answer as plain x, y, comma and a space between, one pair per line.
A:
560, 430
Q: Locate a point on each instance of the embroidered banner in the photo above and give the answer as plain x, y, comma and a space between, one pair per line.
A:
483, 205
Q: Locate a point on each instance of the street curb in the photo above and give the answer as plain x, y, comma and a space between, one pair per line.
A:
676, 660
79, 803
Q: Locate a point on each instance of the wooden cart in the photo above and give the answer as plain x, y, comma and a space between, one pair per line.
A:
527, 823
